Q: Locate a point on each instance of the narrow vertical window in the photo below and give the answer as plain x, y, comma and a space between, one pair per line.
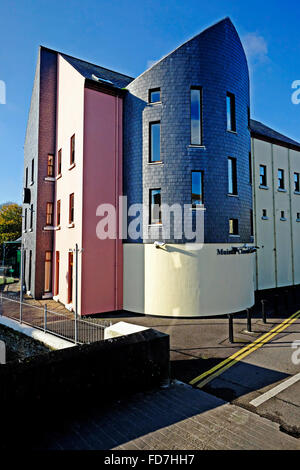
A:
58, 213
233, 227
25, 220
196, 116
59, 162
31, 217
72, 150
57, 273
263, 175
154, 142
154, 95
71, 209
230, 109
50, 167
32, 171
232, 176
280, 179
297, 182
30, 268
70, 278
49, 214
155, 206
197, 189
26, 178
48, 271
250, 168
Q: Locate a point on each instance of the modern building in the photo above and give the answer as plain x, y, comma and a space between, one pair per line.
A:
171, 153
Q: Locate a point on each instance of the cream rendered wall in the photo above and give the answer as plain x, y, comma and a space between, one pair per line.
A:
70, 112
282, 228
176, 281
263, 229
295, 207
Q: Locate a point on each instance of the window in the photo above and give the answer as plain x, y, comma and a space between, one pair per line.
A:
298, 215
57, 273
230, 109
250, 168
232, 176
196, 116
31, 217
263, 175
30, 268
72, 150
155, 206
49, 214
155, 142
197, 188
296, 182
70, 278
280, 179
26, 178
48, 271
58, 213
282, 215
50, 169
264, 212
71, 209
32, 170
233, 227
59, 163
25, 219
154, 95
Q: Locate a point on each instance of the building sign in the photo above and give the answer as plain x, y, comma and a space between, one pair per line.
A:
243, 250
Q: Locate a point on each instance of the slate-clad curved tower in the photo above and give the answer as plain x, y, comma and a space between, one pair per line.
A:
198, 128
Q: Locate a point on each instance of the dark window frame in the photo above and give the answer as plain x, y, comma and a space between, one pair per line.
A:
49, 214
59, 160
296, 182
58, 212
71, 208
153, 90
32, 171
235, 226
47, 263
234, 191
231, 96
200, 89
50, 166
72, 150
195, 206
151, 222
152, 123
263, 180
280, 180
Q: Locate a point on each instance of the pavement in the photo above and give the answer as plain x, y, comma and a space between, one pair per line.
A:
178, 418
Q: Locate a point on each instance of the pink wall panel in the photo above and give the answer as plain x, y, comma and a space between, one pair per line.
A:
102, 260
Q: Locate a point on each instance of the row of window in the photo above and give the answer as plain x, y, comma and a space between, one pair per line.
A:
282, 215
50, 212
196, 120
280, 179
50, 166
32, 174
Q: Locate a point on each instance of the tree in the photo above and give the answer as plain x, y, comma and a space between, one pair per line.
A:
10, 223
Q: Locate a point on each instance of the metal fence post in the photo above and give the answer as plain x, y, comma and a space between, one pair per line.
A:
263, 311
230, 324
249, 326
76, 294
45, 318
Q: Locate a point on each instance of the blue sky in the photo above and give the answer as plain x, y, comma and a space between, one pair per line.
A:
127, 37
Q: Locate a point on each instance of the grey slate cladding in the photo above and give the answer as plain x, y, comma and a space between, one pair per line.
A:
261, 130
215, 61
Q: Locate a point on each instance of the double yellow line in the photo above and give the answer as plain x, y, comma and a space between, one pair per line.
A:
217, 370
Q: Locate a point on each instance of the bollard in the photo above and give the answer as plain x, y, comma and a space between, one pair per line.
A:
230, 324
249, 327
45, 318
263, 311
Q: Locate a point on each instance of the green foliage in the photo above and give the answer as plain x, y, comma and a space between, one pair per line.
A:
10, 223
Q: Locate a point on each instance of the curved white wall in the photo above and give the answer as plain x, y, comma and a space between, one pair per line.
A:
178, 282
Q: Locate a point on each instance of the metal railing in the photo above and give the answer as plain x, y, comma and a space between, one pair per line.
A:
68, 327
